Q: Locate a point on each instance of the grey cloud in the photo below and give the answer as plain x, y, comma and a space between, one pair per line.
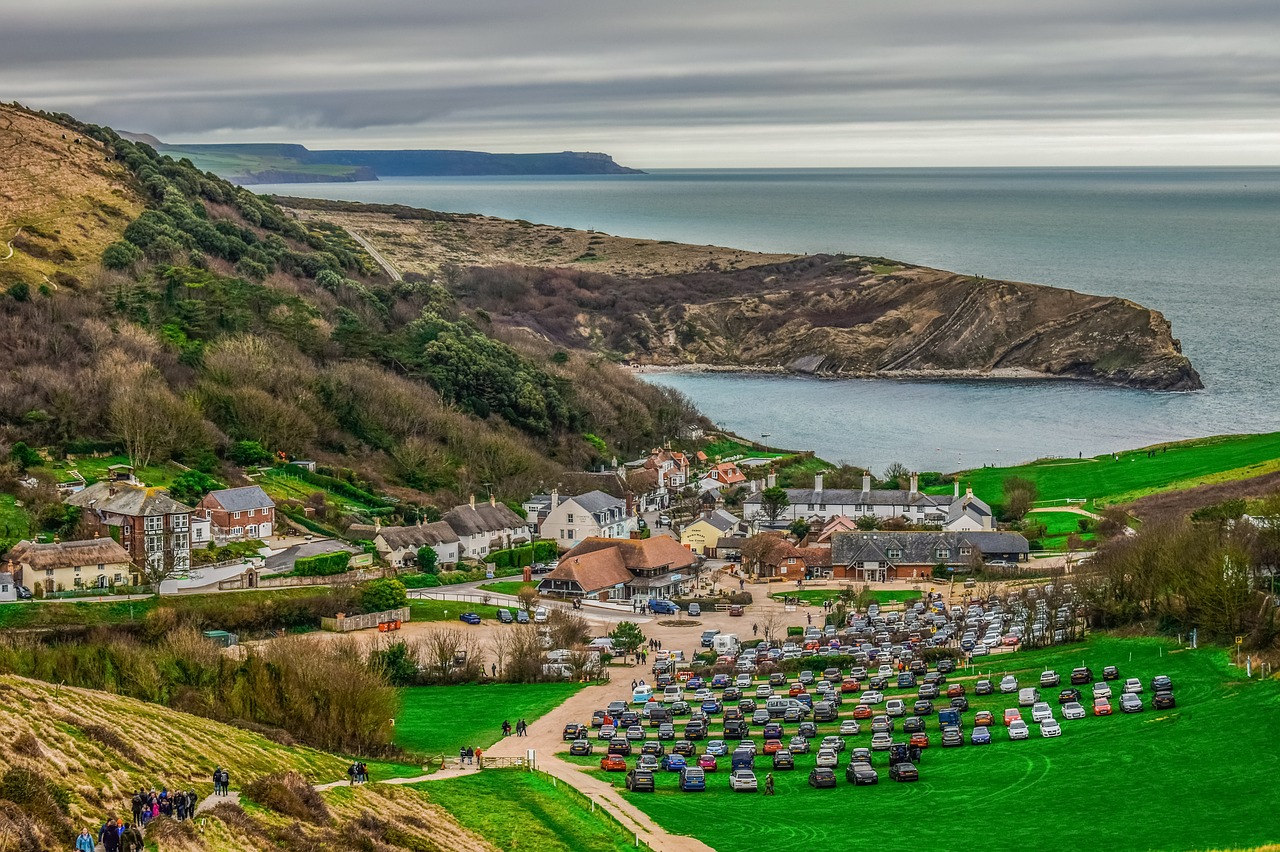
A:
581, 71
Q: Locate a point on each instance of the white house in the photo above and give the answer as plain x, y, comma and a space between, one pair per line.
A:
595, 514
947, 511
399, 545
8, 589
484, 527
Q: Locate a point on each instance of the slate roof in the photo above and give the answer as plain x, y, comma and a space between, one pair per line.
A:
482, 518
418, 535
68, 554
128, 499
854, 497
597, 502
241, 499
720, 519
919, 548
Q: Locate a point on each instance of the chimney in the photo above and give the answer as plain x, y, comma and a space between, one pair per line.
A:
631, 504
915, 482
377, 524
772, 480
817, 482
968, 492
615, 462
492, 501
957, 488
473, 501
555, 498
866, 482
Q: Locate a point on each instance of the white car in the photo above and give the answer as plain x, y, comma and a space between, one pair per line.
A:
742, 681
1040, 712
834, 743
703, 695
828, 757
871, 697
540, 615
1101, 690
885, 671
849, 727
1132, 686
1018, 730
764, 690
895, 707
881, 741
1008, 683
1073, 710
743, 781
1050, 728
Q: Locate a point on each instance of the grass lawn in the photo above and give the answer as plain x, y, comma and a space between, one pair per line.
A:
508, 587
526, 811
95, 470
817, 596
14, 523
280, 484
1199, 776
1059, 525
441, 719
64, 612
422, 609
1105, 481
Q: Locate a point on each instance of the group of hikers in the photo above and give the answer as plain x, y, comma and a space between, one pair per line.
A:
117, 835
468, 755
522, 728
358, 772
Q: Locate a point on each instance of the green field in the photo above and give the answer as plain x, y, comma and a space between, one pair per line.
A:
95, 470
441, 719
527, 811
422, 609
1104, 481
1058, 526
1196, 777
509, 587
816, 596
14, 523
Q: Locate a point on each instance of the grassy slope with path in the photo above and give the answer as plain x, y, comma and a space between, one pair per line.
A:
1172, 773
521, 810
441, 719
1104, 480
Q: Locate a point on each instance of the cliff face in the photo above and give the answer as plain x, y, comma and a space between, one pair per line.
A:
862, 319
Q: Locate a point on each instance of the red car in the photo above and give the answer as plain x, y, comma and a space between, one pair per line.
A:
850, 684
984, 718
707, 763
797, 689
955, 690
770, 746
863, 711
735, 610
613, 763
1101, 707
1011, 714
920, 739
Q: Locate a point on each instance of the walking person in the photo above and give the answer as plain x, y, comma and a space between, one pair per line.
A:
462, 755
479, 752
84, 842
768, 784
131, 839
109, 837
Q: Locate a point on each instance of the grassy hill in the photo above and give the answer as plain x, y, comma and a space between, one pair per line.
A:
1106, 480
69, 756
142, 286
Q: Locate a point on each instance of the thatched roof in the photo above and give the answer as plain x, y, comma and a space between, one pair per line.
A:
68, 554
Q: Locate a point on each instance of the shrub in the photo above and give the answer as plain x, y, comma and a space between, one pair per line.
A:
382, 595
290, 794
322, 565
247, 453
121, 255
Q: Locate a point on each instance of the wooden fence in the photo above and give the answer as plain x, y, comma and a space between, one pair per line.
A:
369, 620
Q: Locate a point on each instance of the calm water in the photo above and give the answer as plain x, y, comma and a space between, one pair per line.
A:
1200, 245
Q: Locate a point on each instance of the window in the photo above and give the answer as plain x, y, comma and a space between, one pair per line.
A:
569, 534
894, 554
179, 522
155, 543
943, 553
966, 551
252, 529
810, 508
822, 507
569, 519
77, 569
237, 530
235, 516
179, 541
153, 523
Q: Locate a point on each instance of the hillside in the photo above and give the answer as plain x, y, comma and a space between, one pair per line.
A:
286, 163
703, 306
70, 756
203, 316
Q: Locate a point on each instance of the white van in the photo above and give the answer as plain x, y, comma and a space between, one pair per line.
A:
540, 615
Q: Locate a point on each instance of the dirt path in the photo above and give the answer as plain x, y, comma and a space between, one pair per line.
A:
213, 801
1075, 510
376, 255
17, 234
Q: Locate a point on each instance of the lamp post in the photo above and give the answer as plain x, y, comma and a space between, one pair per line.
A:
764, 437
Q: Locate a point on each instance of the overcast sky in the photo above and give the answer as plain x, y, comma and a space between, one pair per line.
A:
661, 83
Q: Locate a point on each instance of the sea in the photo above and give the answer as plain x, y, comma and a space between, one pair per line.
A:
1201, 245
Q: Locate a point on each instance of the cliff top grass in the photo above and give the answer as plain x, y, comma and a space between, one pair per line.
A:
1106, 480
441, 719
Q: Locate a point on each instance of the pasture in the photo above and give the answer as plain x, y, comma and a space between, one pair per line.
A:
441, 719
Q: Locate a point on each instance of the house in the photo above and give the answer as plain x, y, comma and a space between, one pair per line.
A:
781, 561
881, 556
730, 546
622, 569
672, 467
911, 504
723, 475
8, 588
90, 564
817, 560
595, 514
152, 527
239, 514
399, 545
702, 534
484, 527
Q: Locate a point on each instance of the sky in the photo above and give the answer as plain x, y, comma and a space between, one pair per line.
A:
674, 83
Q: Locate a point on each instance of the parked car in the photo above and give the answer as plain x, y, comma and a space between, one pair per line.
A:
506, 617
849, 727
735, 610
640, 781
904, 772
742, 781
821, 777
1081, 675
881, 741
469, 618
922, 708
783, 759
1132, 686
673, 762
717, 748
695, 609
1008, 684
580, 748
1050, 728
980, 735
827, 757
912, 725
1164, 701
620, 746
834, 743
861, 773
693, 780
1018, 730
1161, 683
1050, 678
984, 717
613, 763
983, 687
1012, 715
1073, 710
1101, 689
1110, 673
919, 740
952, 737
1041, 711
1101, 707
1130, 703
647, 762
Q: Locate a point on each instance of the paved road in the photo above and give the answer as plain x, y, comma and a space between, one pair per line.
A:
376, 255
284, 560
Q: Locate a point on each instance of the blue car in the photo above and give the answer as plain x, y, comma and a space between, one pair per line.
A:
719, 681
469, 618
694, 683
692, 779
674, 762
711, 707
980, 736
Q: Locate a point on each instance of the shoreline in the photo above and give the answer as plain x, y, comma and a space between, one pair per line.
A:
1004, 374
